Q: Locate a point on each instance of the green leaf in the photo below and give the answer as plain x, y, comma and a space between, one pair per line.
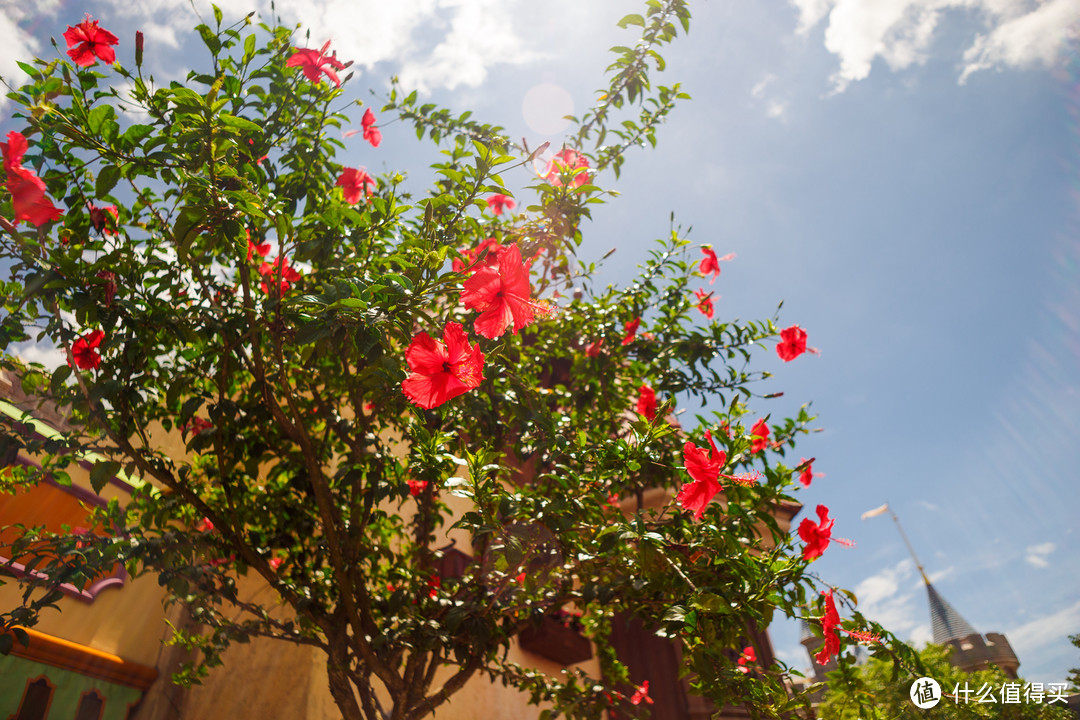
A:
102, 472
632, 19
97, 118
239, 123
106, 180
134, 134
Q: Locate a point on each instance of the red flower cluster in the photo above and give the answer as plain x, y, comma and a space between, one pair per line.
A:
85, 350
705, 302
792, 343
87, 41
26, 188
196, 425
104, 219
641, 694
442, 370
356, 183
567, 161
371, 133
416, 486
646, 402
816, 535
489, 248
314, 64
498, 203
705, 471
830, 621
710, 264
748, 657
260, 249
760, 431
270, 271
110, 286
500, 291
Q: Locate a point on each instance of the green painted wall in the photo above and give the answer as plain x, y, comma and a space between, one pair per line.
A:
15, 671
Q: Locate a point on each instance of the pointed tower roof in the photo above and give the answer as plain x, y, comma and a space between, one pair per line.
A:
945, 622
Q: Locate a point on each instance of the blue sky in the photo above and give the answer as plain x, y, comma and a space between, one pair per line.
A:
903, 174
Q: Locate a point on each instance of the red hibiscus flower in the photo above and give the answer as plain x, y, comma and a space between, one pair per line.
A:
416, 487
567, 161
371, 133
85, 352
262, 249
87, 41
710, 264
816, 535
489, 248
205, 525
593, 349
748, 657
641, 694
270, 271
434, 583
356, 183
275, 562
760, 431
501, 293
646, 402
631, 330
498, 203
196, 425
830, 621
705, 302
104, 219
705, 471
865, 637
807, 475
442, 370
792, 343
27, 189
314, 62
110, 286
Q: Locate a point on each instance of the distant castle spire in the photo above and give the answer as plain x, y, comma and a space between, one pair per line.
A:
945, 621
971, 650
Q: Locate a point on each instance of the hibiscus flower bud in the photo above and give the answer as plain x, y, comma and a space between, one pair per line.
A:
138, 48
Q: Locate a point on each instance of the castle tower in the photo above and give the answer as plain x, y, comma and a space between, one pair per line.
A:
971, 650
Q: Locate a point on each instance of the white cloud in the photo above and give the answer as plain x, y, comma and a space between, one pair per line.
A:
758, 91
19, 44
881, 599
774, 108
1032, 39
50, 357
430, 43
1036, 635
1017, 33
1036, 554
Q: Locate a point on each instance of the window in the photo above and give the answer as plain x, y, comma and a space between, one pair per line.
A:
35, 700
91, 706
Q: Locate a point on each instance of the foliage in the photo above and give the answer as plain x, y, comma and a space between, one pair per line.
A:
258, 405
877, 690
1074, 673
